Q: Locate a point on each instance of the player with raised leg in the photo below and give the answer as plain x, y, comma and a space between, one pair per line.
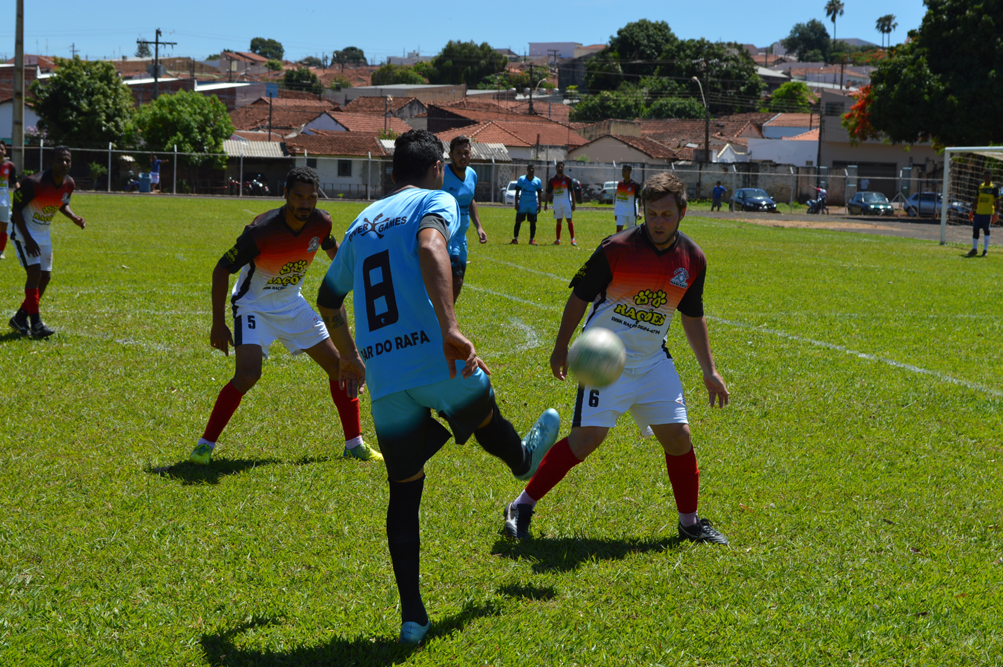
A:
35, 204
560, 193
272, 255
460, 180
984, 213
635, 281
412, 354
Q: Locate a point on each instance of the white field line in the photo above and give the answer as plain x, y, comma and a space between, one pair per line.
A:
862, 355
532, 338
125, 341
523, 268
541, 306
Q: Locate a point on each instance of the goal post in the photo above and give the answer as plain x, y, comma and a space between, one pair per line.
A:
963, 170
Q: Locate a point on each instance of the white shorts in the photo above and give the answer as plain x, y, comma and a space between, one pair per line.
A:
4, 207
43, 260
299, 328
626, 221
562, 209
154, 177
653, 395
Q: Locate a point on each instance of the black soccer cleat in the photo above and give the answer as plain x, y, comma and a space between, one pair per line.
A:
18, 326
701, 531
39, 330
517, 518
972, 253
985, 252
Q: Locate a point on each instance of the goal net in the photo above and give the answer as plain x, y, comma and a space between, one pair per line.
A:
963, 172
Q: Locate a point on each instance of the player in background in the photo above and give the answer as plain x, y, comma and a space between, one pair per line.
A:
460, 180
155, 173
8, 181
984, 213
35, 204
625, 205
716, 195
528, 193
272, 255
636, 280
560, 191
394, 257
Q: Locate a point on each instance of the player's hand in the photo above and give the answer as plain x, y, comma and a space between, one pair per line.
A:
79, 222
716, 389
353, 375
32, 247
971, 216
995, 220
559, 363
572, 207
482, 235
220, 337
457, 347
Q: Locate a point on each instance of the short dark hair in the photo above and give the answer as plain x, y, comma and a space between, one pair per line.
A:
559, 162
627, 166
457, 141
415, 152
302, 175
60, 149
664, 184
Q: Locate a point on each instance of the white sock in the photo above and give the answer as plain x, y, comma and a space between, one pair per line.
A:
687, 520
203, 441
975, 243
524, 499
354, 442
985, 242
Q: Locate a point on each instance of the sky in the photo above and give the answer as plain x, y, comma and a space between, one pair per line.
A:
381, 28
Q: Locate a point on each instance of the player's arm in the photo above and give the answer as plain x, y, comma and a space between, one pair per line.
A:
699, 340
335, 286
550, 194
21, 199
330, 246
433, 258
574, 311
220, 336
518, 191
475, 218
77, 220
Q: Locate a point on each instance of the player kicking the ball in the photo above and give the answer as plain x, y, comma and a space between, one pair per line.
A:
394, 257
272, 255
636, 280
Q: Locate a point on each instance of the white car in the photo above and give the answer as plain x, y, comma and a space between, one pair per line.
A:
508, 193
608, 192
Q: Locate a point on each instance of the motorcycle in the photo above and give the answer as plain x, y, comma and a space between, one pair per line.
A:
817, 206
256, 186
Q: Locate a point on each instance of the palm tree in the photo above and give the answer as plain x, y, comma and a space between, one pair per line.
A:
833, 8
886, 24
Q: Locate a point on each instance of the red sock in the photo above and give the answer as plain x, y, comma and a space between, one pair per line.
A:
554, 466
558, 231
3, 241
348, 411
571, 229
226, 405
30, 303
685, 478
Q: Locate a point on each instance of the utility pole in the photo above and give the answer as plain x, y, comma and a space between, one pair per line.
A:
156, 59
17, 140
73, 49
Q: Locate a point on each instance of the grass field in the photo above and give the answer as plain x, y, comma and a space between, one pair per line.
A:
856, 472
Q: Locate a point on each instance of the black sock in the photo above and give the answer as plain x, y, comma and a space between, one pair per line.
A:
499, 438
404, 539
515, 232
35, 318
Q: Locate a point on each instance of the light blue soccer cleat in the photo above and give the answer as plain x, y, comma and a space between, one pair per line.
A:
412, 633
540, 439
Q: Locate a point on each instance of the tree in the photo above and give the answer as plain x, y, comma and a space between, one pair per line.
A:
833, 8
391, 74
268, 48
466, 62
143, 50
858, 120
302, 79
312, 61
944, 84
625, 105
732, 81
792, 97
193, 122
350, 55
808, 37
84, 104
632, 53
274, 65
675, 107
339, 82
885, 25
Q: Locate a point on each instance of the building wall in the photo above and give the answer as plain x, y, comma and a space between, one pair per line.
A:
609, 149
7, 121
777, 151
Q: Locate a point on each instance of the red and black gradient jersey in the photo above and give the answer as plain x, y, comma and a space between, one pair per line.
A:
635, 288
560, 187
273, 259
38, 199
625, 199
7, 174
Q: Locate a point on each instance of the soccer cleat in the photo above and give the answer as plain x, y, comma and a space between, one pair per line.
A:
413, 633
701, 531
39, 331
557, 242
539, 440
517, 518
532, 242
363, 452
574, 242
202, 454
514, 242
972, 253
19, 325
3, 256
985, 252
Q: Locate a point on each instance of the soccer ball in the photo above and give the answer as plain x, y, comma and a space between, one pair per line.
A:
597, 357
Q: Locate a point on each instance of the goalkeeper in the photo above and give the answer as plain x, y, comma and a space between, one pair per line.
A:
986, 203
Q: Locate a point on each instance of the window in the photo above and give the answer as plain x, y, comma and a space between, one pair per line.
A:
834, 109
344, 168
311, 162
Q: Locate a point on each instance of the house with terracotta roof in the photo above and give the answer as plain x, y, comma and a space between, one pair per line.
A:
341, 121
400, 107
789, 124
236, 63
524, 140
620, 149
350, 164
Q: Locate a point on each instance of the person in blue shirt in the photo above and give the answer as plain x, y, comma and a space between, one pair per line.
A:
528, 191
155, 163
717, 194
460, 180
409, 350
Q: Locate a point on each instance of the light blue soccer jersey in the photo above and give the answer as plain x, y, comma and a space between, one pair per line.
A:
463, 191
527, 194
396, 330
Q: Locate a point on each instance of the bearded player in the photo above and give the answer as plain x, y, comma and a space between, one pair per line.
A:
273, 255
636, 280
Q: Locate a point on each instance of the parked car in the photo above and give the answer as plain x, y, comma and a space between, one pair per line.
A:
752, 199
608, 192
576, 187
930, 204
508, 193
869, 203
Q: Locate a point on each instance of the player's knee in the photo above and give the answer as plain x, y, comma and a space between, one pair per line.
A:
245, 378
584, 441
675, 439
